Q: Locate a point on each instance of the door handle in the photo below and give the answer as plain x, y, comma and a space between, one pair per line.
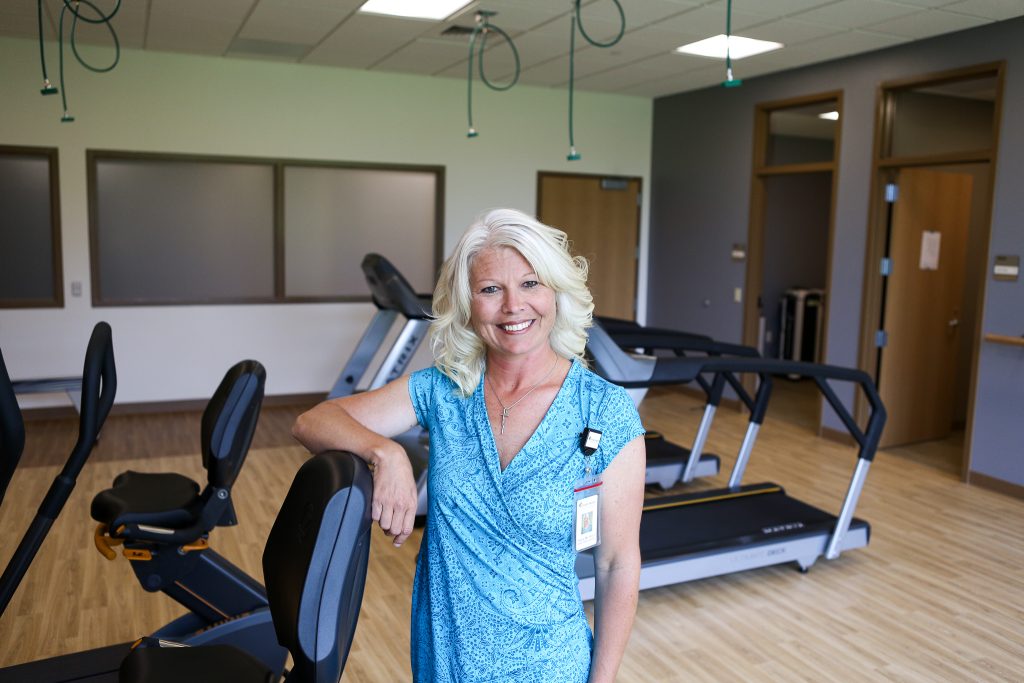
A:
954, 322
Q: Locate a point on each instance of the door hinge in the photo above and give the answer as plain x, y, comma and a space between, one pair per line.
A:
892, 193
886, 267
881, 339
639, 199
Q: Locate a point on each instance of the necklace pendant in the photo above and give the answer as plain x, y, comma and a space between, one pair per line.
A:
504, 416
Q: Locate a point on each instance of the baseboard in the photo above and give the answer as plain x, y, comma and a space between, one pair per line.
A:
837, 435
147, 408
995, 484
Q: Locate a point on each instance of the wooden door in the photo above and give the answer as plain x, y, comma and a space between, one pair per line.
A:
602, 218
922, 305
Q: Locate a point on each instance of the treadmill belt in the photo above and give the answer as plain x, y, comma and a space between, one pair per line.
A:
727, 517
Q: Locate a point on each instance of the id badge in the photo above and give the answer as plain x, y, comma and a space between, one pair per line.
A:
587, 504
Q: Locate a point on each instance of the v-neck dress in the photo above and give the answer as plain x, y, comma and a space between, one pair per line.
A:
496, 596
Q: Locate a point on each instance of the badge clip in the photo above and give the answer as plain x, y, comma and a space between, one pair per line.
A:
590, 439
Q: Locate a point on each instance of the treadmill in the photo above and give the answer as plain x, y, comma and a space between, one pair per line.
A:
394, 297
667, 463
710, 533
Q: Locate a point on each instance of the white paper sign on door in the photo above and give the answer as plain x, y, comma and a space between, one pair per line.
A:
930, 242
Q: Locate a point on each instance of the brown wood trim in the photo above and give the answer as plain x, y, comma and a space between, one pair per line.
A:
758, 197
147, 408
279, 244
793, 169
977, 156
56, 252
362, 298
837, 436
947, 76
279, 166
792, 102
95, 283
984, 481
1004, 339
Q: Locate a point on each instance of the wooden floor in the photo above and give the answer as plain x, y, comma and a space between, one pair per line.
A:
938, 595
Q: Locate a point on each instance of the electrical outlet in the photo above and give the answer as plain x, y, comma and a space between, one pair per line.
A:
76, 289
737, 294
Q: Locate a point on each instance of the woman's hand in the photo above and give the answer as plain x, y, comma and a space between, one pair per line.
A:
362, 424
394, 492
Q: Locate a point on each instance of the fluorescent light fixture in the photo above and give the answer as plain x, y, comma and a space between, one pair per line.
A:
738, 47
830, 115
414, 9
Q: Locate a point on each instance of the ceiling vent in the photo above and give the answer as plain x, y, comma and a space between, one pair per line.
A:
456, 30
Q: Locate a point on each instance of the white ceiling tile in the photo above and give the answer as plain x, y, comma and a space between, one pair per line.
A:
637, 13
856, 13
790, 31
513, 16
710, 21
292, 24
776, 8
365, 39
195, 25
930, 23
842, 45
19, 19
989, 9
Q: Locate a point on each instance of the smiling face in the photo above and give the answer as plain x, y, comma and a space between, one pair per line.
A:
511, 311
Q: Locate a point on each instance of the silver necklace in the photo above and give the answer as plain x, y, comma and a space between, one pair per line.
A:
505, 409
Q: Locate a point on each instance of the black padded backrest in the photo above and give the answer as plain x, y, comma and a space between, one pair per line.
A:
12, 430
392, 291
229, 421
315, 564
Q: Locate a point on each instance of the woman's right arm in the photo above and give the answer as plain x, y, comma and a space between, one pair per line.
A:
362, 423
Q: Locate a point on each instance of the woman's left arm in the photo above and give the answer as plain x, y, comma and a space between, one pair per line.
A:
617, 559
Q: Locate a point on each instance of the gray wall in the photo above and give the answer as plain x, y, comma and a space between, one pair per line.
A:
701, 172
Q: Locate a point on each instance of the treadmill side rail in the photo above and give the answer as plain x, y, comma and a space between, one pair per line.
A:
835, 544
698, 443
804, 551
363, 354
740, 466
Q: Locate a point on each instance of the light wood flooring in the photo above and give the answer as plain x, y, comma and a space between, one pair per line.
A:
938, 594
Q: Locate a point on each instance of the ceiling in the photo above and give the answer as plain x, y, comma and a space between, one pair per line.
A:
333, 33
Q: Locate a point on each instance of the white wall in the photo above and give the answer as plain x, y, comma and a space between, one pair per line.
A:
186, 104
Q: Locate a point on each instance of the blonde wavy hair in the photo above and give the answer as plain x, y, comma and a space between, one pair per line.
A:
458, 351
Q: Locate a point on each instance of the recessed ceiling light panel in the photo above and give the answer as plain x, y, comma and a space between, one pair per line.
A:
739, 47
414, 9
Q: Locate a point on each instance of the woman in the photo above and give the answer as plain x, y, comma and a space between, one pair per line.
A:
495, 596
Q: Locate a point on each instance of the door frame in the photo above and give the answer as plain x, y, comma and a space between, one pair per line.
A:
884, 167
637, 297
761, 171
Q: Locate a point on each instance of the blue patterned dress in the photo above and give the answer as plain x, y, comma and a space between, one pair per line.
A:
495, 596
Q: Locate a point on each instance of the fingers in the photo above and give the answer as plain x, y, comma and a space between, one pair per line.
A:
407, 525
395, 513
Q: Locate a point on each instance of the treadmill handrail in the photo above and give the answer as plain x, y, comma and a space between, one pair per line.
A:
390, 290
684, 369
682, 343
